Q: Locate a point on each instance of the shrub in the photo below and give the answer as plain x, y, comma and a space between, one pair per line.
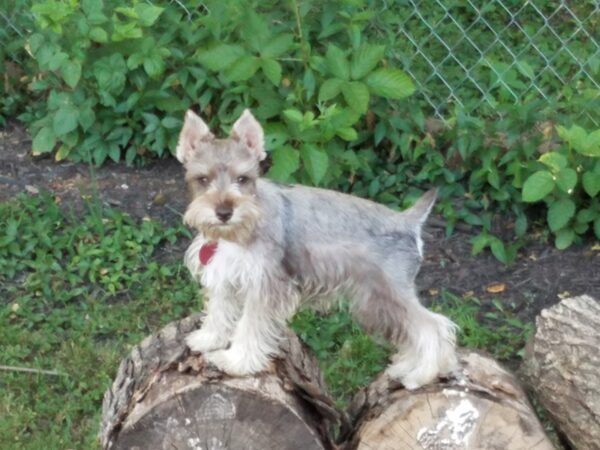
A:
119, 78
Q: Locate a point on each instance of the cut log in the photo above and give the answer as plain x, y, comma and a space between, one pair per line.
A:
165, 398
483, 408
562, 361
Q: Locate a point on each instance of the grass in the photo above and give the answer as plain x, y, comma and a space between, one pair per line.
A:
76, 291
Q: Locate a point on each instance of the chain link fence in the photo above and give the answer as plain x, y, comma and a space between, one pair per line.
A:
474, 54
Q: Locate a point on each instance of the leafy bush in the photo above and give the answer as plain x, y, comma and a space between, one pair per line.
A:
568, 181
15, 64
119, 78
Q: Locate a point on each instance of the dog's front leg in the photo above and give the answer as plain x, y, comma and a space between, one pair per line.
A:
222, 312
257, 334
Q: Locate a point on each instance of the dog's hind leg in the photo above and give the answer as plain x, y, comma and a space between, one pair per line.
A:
425, 340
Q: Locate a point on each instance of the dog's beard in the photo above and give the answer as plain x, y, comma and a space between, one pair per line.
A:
240, 228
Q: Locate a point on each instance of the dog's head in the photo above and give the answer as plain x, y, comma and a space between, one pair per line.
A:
221, 175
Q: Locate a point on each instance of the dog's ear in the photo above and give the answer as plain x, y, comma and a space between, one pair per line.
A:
248, 130
192, 134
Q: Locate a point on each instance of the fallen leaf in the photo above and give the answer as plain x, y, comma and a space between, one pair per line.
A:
434, 291
596, 247
159, 199
496, 288
32, 189
468, 294
564, 294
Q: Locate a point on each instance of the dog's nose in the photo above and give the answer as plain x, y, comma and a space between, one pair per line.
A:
224, 213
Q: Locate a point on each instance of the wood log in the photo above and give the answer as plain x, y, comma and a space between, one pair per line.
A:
482, 408
165, 398
562, 361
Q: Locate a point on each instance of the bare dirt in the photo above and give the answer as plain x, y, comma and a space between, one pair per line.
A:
538, 279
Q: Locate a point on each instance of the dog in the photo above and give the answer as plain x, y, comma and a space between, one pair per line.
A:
263, 249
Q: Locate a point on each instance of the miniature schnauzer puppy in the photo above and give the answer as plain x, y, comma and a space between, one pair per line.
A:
263, 248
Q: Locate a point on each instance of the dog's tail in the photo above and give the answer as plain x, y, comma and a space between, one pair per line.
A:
416, 215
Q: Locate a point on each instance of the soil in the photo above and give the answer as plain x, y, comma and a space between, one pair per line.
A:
538, 279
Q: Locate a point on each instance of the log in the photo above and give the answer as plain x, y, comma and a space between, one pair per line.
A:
482, 408
562, 361
163, 397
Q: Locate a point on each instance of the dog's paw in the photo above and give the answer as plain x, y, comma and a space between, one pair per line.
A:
412, 372
234, 362
204, 341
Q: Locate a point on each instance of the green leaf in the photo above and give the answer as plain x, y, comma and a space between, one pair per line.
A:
65, 120
390, 83
356, 95
521, 225
589, 145
585, 215
98, 34
525, 69
591, 183
147, 14
499, 250
243, 68
255, 30
272, 70
330, 89
574, 136
337, 63
86, 117
110, 72
44, 141
123, 32
364, 60
62, 152
597, 227
293, 115
566, 180
171, 122
218, 57
537, 186
315, 162
71, 72
278, 46
479, 243
559, 213
286, 161
154, 65
554, 161
348, 134
564, 238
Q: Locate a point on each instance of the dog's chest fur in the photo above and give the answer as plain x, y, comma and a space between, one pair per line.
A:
231, 267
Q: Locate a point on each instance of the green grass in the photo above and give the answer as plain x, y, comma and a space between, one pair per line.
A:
77, 291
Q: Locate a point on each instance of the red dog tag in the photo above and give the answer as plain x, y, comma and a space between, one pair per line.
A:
207, 251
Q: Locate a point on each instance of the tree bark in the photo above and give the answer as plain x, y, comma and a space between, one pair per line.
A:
562, 361
165, 398
483, 408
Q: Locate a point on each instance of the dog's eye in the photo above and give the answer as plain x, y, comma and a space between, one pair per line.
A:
243, 180
202, 180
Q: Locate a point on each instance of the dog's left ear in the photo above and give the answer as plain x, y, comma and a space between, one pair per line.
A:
249, 131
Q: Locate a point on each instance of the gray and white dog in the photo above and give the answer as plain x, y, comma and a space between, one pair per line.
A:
262, 249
